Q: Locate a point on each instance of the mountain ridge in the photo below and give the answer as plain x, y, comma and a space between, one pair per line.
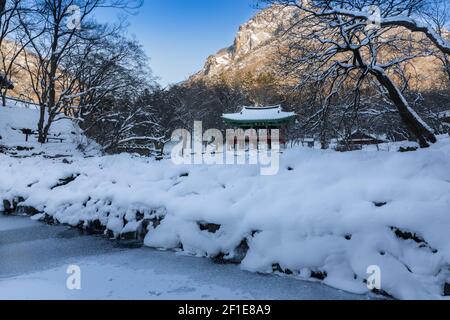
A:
253, 45
256, 48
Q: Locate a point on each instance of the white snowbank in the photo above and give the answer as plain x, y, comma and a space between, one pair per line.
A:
334, 213
326, 214
259, 114
13, 119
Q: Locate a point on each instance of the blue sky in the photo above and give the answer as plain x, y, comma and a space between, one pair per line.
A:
178, 35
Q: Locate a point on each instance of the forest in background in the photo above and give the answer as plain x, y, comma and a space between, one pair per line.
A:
338, 76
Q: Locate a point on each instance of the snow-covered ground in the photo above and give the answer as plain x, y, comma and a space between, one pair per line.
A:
35, 258
15, 118
325, 215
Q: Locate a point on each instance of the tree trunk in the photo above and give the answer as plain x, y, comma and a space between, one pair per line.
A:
447, 67
160, 146
50, 100
410, 118
47, 129
42, 138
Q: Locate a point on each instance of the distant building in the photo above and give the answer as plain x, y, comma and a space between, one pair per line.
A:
309, 142
257, 118
357, 140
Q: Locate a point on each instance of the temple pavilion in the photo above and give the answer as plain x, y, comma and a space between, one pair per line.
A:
272, 117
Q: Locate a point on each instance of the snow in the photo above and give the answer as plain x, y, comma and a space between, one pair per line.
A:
444, 114
395, 20
112, 281
36, 268
14, 118
335, 213
259, 114
15, 223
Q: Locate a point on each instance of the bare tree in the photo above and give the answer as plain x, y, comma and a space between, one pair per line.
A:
60, 25
437, 15
332, 42
164, 116
114, 79
10, 46
393, 13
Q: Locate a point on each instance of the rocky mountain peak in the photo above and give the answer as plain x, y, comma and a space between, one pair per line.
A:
258, 32
255, 51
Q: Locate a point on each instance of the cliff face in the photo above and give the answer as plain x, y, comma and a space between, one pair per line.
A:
19, 77
254, 45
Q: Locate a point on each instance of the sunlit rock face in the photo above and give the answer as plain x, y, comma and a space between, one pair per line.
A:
253, 46
258, 42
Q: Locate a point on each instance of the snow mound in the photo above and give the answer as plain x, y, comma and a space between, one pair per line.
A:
326, 216
66, 135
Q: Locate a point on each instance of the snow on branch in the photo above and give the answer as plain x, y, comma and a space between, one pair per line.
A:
396, 20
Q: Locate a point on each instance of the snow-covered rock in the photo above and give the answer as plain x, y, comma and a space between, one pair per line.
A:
331, 216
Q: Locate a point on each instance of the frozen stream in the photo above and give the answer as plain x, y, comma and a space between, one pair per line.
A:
34, 259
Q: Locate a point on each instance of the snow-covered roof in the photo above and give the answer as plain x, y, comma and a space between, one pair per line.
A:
259, 114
